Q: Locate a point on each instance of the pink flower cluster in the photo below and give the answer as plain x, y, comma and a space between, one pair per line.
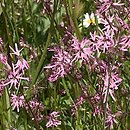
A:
60, 64
110, 120
103, 53
52, 119
63, 60
17, 71
36, 108
17, 102
78, 104
81, 50
3, 59
99, 110
14, 71
109, 75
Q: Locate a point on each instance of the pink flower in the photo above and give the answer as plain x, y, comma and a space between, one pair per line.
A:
22, 64
3, 59
114, 80
102, 43
17, 101
81, 49
98, 110
111, 80
110, 120
122, 23
14, 78
60, 64
1, 89
16, 51
34, 104
109, 25
105, 43
78, 104
104, 6
52, 120
124, 43
93, 44
36, 108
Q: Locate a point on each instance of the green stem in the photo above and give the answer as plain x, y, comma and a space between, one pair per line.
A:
24, 2
36, 124
70, 2
33, 22
7, 36
40, 65
26, 123
74, 20
67, 90
14, 21
6, 116
67, 13
78, 34
55, 102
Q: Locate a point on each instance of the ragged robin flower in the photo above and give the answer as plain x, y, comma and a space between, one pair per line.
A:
52, 119
17, 101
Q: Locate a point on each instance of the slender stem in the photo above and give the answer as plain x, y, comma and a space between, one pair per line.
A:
55, 102
24, 2
40, 65
73, 19
6, 116
35, 120
14, 21
78, 34
67, 90
7, 34
105, 104
67, 13
33, 22
26, 123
